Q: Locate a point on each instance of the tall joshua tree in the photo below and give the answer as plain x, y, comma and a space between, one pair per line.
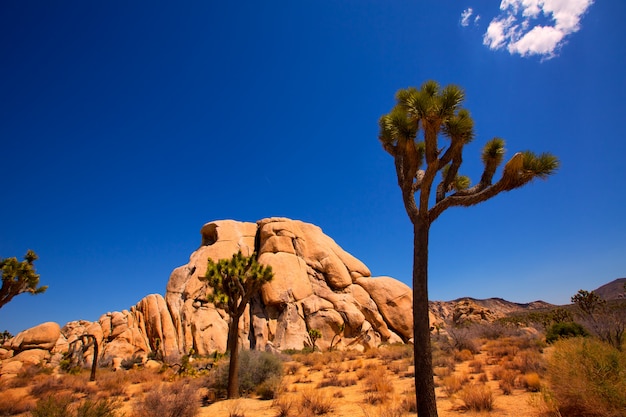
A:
429, 178
19, 277
234, 282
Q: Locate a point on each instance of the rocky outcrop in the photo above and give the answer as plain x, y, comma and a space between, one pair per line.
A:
316, 285
43, 336
30, 347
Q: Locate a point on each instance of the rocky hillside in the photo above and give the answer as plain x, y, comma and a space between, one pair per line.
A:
614, 290
473, 310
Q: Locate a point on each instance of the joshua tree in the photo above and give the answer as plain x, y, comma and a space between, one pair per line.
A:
314, 334
608, 322
86, 341
19, 277
437, 112
234, 281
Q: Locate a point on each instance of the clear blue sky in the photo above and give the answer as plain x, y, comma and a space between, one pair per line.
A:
125, 126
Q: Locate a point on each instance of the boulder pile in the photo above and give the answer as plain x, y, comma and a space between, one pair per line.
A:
316, 285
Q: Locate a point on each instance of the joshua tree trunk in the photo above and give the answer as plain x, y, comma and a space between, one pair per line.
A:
424, 383
94, 363
233, 348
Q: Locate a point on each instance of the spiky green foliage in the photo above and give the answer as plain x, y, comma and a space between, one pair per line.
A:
19, 277
234, 282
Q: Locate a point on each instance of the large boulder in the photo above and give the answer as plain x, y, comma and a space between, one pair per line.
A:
43, 336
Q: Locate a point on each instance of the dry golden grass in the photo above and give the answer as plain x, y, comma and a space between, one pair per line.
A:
351, 384
477, 397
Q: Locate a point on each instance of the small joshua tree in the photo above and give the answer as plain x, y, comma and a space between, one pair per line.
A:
605, 321
19, 277
314, 334
234, 282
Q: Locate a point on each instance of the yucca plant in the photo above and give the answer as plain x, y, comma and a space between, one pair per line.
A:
424, 167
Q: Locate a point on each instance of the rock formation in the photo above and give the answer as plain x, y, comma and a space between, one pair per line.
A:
316, 285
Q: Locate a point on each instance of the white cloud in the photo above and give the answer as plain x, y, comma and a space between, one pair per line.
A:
466, 16
517, 29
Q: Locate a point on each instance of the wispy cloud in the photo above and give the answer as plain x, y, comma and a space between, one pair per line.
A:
517, 28
466, 17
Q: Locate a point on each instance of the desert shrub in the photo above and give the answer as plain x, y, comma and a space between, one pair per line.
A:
316, 402
44, 386
502, 348
477, 397
291, 368
378, 386
62, 406
464, 338
463, 355
564, 330
396, 410
236, 408
453, 384
506, 377
129, 363
336, 381
255, 367
269, 389
409, 402
587, 378
52, 406
100, 408
112, 383
25, 376
176, 399
476, 366
531, 382
12, 404
528, 361
283, 405
395, 352
442, 360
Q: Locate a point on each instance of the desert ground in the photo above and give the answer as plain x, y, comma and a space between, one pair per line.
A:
500, 377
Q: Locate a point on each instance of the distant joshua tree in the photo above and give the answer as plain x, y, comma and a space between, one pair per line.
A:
234, 282
418, 162
19, 277
607, 322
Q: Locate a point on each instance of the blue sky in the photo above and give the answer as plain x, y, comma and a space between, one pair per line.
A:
125, 126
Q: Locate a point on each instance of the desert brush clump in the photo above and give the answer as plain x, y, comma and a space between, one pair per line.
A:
477, 397
13, 403
175, 399
378, 386
315, 402
64, 406
255, 368
587, 378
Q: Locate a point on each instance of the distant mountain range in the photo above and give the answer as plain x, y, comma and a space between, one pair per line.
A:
477, 310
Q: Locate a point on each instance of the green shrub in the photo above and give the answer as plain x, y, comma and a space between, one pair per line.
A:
255, 368
61, 406
52, 406
587, 378
563, 330
129, 363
